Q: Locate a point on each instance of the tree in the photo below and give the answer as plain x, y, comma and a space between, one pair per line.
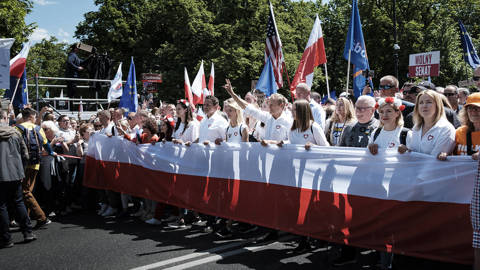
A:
12, 21
47, 58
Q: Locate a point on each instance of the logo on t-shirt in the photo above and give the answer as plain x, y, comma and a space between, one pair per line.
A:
278, 126
305, 136
235, 133
430, 137
209, 125
391, 145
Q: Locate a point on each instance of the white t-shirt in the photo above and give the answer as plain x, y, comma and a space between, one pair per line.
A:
108, 130
317, 137
190, 134
275, 129
234, 135
337, 132
66, 134
318, 113
440, 138
387, 139
212, 128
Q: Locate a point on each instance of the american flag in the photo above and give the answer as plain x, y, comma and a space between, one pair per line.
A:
273, 48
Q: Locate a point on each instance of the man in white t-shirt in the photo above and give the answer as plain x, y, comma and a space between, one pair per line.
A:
213, 126
302, 91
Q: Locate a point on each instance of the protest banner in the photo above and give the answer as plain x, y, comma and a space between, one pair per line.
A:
424, 64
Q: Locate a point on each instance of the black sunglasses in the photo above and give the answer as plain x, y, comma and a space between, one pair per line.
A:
449, 94
385, 87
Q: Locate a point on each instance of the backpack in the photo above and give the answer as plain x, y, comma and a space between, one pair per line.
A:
403, 135
34, 141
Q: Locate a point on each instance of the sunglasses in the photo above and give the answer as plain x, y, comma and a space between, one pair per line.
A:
476, 78
97, 126
385, 87
449, 94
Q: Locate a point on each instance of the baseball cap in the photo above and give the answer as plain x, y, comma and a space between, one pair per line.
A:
473, 99
427, 85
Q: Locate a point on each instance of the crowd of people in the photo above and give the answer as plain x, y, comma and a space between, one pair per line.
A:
45, 179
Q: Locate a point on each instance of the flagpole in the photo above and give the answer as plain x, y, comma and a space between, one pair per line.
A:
15, 91
326, 78
348, 70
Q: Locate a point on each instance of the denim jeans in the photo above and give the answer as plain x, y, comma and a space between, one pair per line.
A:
11, 192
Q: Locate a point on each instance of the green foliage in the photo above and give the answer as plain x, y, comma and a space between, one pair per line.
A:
47, 58
167, 35
12, 21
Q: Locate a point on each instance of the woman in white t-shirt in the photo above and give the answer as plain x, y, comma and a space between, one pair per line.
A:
187, 128
237, 130
304, 129
390, 133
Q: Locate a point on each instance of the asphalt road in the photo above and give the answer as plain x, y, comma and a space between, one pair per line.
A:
87, 241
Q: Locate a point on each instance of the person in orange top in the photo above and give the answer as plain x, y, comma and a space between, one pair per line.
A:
467, 137
149, 134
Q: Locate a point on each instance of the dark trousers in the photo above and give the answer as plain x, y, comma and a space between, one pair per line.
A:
12, 192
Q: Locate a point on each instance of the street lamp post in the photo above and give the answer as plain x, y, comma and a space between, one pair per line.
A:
396, 47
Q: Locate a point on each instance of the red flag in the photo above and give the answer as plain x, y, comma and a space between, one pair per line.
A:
188, 91
17, 64
273, 48
210, 80
313, 56
198, 86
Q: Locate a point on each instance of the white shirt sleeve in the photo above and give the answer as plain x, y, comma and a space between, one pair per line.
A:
446, 142
319, 135
256, 113
192, 131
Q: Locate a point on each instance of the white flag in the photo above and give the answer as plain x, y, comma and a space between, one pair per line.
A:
116, 89
5, 45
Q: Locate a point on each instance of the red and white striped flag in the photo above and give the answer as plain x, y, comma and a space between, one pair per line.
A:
198, 86
18, 63
273, 48
210, 80
313, 56
188, 90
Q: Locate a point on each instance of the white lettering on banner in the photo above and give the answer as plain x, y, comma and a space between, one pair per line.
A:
359, 49
422, 71
352, 171
424, 59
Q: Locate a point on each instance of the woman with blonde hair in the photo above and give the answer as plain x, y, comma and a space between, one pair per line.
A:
343, 115
237, 130
432, 134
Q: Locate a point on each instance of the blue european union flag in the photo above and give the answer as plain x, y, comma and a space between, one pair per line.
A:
129, 99
332, 95
21, 96
266, 83
469, 52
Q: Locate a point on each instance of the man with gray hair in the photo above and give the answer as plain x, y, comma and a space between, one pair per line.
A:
12, 146
463, 93
302, 91
451, 93
356, 135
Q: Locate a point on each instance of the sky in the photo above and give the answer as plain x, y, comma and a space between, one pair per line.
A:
58, 18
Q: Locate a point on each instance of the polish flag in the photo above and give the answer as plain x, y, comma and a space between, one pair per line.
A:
188, 90
210, 81
198, 86
18, 63
313, 56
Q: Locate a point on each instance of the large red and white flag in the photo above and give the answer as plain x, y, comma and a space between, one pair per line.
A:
211, 80
273, 49
313, 56
116, 89
18, 63
188, 90
198, 86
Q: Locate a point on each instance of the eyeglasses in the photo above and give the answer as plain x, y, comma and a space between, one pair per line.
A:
385, 87
449, 94
476, 78
97, 126
410, 92
362, 108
